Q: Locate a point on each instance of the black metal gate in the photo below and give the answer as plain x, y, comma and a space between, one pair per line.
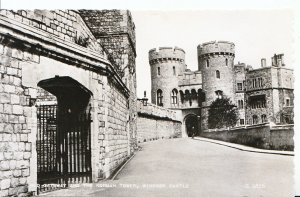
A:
63, 147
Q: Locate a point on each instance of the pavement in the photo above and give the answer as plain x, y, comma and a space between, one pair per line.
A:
196, 167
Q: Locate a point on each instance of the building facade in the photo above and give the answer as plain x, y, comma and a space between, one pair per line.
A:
68, 97
261, 95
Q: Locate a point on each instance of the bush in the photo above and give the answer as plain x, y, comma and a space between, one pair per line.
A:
222, 113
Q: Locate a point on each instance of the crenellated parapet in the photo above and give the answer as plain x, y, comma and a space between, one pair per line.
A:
216, 48
165, 54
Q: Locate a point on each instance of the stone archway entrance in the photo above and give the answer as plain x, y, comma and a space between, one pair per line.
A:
191, 124
64, 134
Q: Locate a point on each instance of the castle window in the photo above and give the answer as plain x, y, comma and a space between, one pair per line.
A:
181, 96
240, 104
174, 96
258, 101
239, 86
158, 70
255, 119
259, 83
174, 71
159, 97
242, 121
218, 74
207, 63
226, 62
193, 94
219, 94
263, 118
250, 121
287, 102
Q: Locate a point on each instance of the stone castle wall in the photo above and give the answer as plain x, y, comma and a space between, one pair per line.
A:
156, 123
277, 86
116, 136
261, 136
16, 117
239, 76
41, 45
115, 31
216, 47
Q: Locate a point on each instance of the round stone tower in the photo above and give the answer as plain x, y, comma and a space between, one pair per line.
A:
215, 61
166, 64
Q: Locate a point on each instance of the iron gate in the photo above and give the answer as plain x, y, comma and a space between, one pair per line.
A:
63, 147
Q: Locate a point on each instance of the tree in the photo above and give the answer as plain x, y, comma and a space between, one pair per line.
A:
222, 113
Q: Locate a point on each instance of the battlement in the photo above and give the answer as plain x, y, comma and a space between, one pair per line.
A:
190, 78
166, 54
216, 48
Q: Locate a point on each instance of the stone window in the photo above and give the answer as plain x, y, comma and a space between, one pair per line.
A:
258, 101
254, 119
219, 94
159, 97
158, 70
218, 74
240, 104
287, 102
174, 70
239, 86
260, 82
181, 96
254, 83
263, 118
174, 99
207, 63
242, 121
226, 62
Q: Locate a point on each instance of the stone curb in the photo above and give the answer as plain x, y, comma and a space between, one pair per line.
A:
246, 148
121, 168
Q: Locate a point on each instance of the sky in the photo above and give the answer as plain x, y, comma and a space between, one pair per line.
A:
256, 34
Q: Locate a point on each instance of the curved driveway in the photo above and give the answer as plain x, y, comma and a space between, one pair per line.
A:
186, 167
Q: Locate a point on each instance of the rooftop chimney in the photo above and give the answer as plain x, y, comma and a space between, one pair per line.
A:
263, 62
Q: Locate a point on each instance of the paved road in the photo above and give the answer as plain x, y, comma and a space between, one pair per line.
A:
186, 167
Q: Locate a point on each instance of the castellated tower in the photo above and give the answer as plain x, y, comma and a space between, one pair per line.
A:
215, 61
166, 64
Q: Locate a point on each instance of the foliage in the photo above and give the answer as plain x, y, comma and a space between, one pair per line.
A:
222, 113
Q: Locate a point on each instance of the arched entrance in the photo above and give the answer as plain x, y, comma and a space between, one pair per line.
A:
191, 124
64, 134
